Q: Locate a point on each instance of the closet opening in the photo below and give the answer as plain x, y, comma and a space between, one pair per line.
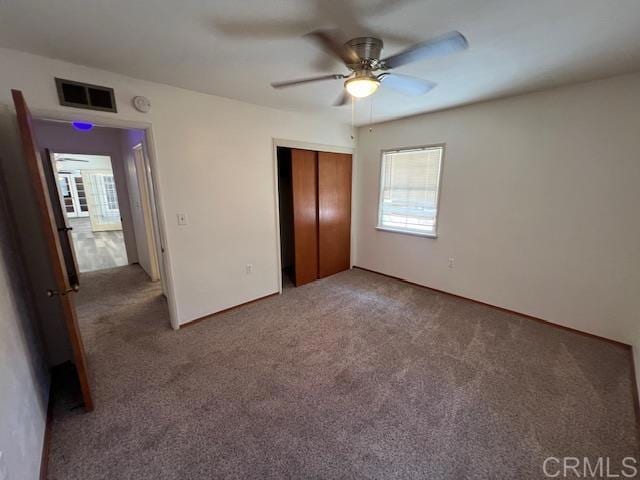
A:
285, 203
314, 194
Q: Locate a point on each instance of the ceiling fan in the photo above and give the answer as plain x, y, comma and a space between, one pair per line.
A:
67, 159
362, 57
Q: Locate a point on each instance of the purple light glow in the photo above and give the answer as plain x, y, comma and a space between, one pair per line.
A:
82, 126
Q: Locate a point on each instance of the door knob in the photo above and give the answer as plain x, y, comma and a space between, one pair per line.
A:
53, 293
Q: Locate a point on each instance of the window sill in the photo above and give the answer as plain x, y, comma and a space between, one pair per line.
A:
407, 232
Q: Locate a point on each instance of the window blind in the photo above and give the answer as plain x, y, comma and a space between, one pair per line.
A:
409, 190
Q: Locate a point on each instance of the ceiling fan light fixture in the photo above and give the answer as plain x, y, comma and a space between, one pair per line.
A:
362, 56
362, 86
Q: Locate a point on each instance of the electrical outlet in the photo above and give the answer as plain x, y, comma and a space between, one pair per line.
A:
249, 268
451, 260
182, 219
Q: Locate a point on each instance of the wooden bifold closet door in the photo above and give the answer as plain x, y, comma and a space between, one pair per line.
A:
305, 215
321, 190
334, 213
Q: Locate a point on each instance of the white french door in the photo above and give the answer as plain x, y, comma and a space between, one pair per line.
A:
74, 197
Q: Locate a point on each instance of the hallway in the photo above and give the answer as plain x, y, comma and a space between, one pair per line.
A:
119, 309
97, 250
113, 296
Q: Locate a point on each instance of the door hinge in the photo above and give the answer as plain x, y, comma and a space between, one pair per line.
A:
53, 293
65, 229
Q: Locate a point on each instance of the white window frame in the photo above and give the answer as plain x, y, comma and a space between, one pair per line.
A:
379, 225
102, 188
109, 181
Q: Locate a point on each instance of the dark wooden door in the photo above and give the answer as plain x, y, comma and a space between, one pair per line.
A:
305, 215
334, 213
62, 225
62, 291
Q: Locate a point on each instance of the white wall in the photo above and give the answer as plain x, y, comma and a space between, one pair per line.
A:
539, 205
23, 377
214, 162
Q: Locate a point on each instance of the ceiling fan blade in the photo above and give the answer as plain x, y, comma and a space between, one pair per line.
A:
406, 84
292, 83
330, 41
259, 28
448, 43
343, 99
384, 7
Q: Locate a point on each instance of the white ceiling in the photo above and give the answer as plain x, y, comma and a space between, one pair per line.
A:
235, 48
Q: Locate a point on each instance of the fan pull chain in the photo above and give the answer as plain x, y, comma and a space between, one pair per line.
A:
353, 117
371, 114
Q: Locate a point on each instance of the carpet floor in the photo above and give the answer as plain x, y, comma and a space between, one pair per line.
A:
352, 376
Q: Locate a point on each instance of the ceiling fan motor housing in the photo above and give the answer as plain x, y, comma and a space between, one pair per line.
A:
367, 48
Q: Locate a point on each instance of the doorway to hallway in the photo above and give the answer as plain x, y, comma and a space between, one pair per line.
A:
88, 194
100, 190
49, 194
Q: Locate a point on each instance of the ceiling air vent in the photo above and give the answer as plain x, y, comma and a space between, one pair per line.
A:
84, 95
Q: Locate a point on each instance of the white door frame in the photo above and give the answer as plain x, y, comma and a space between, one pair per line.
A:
281, 142
151, 157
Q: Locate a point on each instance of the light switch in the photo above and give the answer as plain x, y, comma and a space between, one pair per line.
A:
182, 219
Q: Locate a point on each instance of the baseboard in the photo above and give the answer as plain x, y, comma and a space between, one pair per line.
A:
46, 441
506, 310
199, 319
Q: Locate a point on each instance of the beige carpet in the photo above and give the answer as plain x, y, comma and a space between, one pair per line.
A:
353, 376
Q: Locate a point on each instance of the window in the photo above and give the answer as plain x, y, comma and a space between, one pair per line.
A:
64, 187
110, 196
82, 195
409, 185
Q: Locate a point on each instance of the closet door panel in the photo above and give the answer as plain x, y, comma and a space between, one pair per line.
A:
334, 213
305, 215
